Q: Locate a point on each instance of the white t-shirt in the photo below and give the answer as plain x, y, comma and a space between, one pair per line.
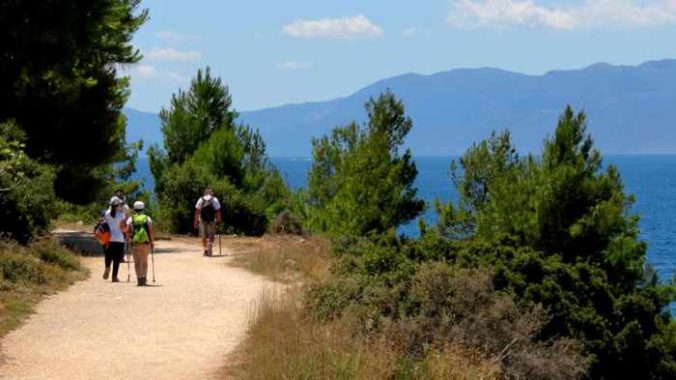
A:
116, 234
203, 202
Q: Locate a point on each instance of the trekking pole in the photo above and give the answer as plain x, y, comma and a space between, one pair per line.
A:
152, 259
126, 252
220, 253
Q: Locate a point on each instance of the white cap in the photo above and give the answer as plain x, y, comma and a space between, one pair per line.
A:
138, 205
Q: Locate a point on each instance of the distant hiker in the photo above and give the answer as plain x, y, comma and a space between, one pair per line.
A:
207, 214
121, 197
115, 219
141, 236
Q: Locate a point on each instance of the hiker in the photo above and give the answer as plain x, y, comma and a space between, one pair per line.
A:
115, 219
141, 236
207, 214
120, 196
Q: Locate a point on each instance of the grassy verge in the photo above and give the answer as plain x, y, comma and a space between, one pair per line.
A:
285, 259
29, 273
286, 341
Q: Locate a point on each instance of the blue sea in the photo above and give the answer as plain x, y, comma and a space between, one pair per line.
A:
651, 178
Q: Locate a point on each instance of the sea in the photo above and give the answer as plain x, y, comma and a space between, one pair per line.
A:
651, 178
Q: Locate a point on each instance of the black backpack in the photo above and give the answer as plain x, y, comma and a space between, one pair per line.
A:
208, 211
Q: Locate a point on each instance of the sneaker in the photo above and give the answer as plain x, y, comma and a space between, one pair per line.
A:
116, 280
206, 253
105, 273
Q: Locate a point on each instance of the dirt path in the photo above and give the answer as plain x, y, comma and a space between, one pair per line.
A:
183, 328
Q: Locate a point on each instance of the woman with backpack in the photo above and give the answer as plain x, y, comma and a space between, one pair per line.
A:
140, 234
114, 253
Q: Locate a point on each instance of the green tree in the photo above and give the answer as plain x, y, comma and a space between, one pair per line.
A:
359, 182
59, 81
27, 199
204, 147
557, 230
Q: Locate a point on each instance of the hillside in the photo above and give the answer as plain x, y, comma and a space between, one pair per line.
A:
631, 109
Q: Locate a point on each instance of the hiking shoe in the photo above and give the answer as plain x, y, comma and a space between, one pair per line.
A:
106, 272
206, 253
116, 280
139, 281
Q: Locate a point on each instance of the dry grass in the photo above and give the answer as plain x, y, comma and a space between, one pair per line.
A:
29, 273
282, 258
284, 343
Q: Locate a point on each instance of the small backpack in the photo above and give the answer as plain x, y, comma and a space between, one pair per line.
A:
102, 232
139, 223
208, 211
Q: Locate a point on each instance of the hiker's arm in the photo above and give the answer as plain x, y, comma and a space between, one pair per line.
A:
196, 219
218, 215
124, 228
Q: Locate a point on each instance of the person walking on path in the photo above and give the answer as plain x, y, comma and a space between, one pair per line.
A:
114, 253
124, 207
122, 198
207, 214
140, 233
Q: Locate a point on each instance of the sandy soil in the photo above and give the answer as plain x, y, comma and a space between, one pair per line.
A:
184, 327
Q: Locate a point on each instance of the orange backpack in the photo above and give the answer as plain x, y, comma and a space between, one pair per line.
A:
102, 232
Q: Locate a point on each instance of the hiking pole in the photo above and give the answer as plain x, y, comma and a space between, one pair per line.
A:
126, 252
152, 259
220, 253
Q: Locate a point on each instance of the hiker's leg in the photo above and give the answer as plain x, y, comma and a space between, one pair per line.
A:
211, 232
145, 251
136, 251
107, 257
204, 234
117, 250
141, 259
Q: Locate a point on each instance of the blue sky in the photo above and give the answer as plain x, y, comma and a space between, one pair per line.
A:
276, 52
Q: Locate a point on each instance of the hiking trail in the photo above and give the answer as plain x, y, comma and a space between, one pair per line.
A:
184, 327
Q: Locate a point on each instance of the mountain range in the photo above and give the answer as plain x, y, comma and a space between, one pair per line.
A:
630, 109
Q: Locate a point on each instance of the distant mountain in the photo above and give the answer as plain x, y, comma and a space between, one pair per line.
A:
143, 126
631, 109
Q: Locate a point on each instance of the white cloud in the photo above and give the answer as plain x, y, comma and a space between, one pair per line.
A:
291, 65
351, 27
592, 13
175, 37
149, 72
169, 54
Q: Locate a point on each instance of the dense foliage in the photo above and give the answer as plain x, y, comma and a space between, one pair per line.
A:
359, 182
557, 230
552, 231
59, 81
204, 147
27, 199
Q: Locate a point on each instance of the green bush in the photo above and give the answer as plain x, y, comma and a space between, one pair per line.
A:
27, 199
425, 306
557, 230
